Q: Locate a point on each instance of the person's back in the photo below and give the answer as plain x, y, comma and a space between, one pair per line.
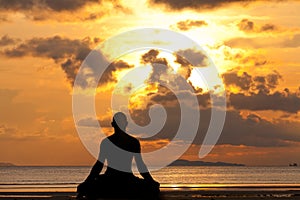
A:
121, 157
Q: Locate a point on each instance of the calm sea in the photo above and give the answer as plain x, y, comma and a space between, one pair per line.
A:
67, 178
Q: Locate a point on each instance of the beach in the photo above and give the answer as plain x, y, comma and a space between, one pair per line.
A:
179, 193
168, 195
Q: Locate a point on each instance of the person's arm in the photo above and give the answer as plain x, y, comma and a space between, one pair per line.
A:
142, 166
97, 168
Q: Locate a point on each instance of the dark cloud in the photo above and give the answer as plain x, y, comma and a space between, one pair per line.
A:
187, 58
151, 57
55, 5
198, 4
246, 25
249, 26
164, 74
69, 53
171, 89
53, 9
273, 79
62, 5
158, 70
196, 58
166, 97
109, 74
141, 117
256, 131
251, 130
186, 67
55, 47
277, 101
189, 24
159, 65
182, 61
259, 93
268, 27
252, 84
17, 4
184, 70
6, 40
174, 104
242, 81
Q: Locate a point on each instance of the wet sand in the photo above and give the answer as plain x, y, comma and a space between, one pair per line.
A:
178, 193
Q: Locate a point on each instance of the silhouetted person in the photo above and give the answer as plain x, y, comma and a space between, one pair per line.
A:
118, 180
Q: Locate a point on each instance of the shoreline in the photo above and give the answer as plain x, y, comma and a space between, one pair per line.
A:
217, 186
174, 193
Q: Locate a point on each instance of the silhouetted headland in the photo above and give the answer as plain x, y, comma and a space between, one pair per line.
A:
4, 164
293, 164
181, 162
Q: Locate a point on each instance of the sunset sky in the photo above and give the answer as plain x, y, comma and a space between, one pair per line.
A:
255, 46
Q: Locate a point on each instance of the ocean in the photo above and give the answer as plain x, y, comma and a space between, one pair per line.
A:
66, 179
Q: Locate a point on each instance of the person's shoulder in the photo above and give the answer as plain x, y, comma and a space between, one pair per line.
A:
133, 139
136, 145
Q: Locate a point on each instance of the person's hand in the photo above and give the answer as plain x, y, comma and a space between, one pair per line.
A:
156, 183
89, 178
153, 182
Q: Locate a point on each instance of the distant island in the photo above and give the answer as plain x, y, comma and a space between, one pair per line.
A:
293, 164
201, 163
3, 164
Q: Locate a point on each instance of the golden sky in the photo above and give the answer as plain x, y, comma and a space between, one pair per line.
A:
254, 45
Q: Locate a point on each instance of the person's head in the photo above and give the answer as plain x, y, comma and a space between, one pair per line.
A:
120, 121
